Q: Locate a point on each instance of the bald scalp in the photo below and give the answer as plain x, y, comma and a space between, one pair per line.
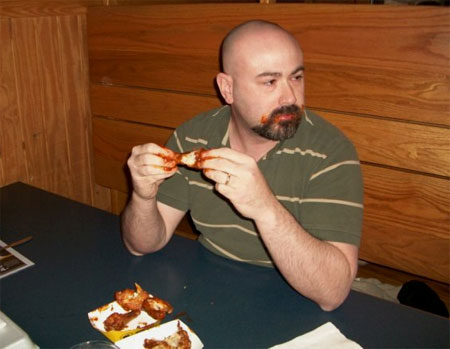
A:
243, 31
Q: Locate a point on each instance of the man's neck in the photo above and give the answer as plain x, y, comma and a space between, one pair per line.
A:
246, 141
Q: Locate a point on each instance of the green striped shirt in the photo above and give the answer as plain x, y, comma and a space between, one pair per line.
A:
315, 175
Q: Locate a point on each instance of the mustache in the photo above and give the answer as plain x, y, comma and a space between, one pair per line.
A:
277, 127
286, 109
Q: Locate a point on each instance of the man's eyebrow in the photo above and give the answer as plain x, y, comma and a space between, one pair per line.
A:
264, 74
300, 68
278, 74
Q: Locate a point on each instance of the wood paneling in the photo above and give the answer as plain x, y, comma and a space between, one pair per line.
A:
39, 8
359, 59
12, 156
44, 103
406, 222
44, 8
160, 108
387, 142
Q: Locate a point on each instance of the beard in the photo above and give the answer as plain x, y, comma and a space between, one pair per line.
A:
275, 129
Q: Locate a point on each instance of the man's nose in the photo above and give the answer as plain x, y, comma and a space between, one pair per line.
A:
287, 96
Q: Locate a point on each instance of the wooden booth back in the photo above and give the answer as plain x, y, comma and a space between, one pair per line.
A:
380, 73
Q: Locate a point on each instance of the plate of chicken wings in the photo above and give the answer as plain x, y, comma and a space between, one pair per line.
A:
135, 311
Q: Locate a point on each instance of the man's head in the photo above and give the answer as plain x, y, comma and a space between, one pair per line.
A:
262, 78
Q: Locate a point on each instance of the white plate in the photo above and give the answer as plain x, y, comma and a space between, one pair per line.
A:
98, 316
159, 333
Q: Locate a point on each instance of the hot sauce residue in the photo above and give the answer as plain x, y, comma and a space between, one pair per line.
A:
192, 159
264, 119
280, 117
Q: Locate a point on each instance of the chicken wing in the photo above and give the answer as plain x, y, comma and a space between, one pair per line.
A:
118, 322
157, 308
192, 159
178, 340
130, 299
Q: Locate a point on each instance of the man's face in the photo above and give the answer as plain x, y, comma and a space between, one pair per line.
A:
268, 84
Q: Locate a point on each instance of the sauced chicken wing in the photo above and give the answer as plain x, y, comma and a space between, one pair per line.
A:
130, 299
118, 321
157, 308
191, 159
178, 340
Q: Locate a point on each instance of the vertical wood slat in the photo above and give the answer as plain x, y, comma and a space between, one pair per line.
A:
76, 107
29, 99
49, 55
12, 156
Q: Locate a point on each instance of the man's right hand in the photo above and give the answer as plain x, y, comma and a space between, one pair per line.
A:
149, 165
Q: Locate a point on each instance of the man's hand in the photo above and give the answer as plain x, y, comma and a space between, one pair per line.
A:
149, 165
239, 179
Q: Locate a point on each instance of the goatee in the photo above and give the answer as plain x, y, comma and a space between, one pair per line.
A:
282, 123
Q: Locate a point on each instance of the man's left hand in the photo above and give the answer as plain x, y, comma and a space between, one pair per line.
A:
239, 179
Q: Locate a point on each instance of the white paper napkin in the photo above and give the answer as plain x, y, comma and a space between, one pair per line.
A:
325, 336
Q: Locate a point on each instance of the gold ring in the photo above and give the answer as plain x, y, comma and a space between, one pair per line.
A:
228, 179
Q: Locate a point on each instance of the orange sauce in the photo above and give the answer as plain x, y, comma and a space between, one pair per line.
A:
264, 119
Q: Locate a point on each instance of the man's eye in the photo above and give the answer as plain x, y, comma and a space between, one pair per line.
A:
297, 77
269, 82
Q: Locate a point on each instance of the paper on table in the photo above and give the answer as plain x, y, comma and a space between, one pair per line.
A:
325, 336
159, 333
12, 261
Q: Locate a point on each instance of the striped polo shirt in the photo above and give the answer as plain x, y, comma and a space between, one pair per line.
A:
315, 175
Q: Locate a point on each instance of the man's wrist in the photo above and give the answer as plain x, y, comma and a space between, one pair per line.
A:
141, 199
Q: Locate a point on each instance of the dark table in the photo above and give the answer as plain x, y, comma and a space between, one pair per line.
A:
80, 262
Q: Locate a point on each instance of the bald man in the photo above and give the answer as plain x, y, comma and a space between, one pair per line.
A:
278, 187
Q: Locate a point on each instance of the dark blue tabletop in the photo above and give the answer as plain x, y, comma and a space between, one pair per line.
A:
80, 261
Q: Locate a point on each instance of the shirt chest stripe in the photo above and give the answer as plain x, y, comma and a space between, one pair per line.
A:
333, 167
327, 201
200, 184
301, 152
196, 141
235, 226
180, 148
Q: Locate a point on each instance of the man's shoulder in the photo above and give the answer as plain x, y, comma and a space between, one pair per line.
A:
319, 135
321, 130
206, 129
211, 116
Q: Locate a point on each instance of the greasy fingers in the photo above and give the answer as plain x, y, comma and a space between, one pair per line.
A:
149, 165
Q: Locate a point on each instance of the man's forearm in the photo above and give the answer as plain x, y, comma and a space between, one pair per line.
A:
316, 269
143, 228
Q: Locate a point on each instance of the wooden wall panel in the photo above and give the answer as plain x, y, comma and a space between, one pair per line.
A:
387, 142
44, 8
12, 156
154, 107
74, 70
406, 222
29, 96
343, 46
44, 103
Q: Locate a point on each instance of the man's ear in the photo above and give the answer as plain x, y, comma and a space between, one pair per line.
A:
225, 84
